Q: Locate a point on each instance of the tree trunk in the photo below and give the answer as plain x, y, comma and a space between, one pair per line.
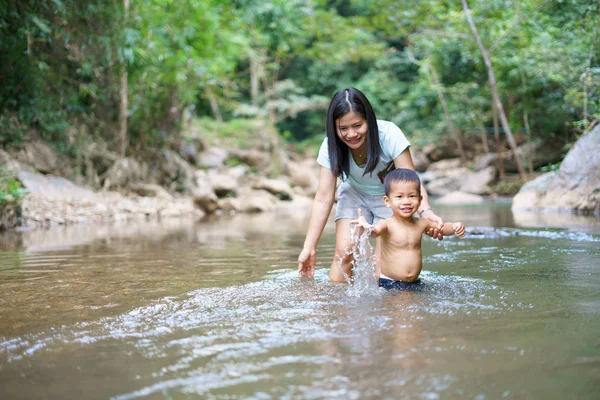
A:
493, 88
455, 133
214, 105
530, 140
484, 139
254, 80
499, 144
123, 105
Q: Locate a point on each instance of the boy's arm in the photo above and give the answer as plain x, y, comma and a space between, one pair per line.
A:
376, 230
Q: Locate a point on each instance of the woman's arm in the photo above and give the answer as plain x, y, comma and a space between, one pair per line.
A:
319, 213
404, 160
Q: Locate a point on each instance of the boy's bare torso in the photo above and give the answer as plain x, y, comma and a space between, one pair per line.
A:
399, 257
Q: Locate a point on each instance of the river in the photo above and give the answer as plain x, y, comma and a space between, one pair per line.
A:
215, 309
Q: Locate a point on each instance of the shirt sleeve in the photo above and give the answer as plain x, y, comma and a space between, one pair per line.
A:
393, 141
323, 157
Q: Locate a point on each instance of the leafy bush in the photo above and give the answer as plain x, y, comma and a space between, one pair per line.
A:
11, 191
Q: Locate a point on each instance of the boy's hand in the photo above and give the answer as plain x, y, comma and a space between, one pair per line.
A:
459, 229
361, 221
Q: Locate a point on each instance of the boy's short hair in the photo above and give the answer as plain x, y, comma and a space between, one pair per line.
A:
401, 175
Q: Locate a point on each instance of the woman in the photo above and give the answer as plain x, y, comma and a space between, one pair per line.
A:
359, 150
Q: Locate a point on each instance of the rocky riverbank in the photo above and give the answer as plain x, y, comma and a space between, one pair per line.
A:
193, 179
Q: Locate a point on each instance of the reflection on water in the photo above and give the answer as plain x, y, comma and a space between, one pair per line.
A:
215, 310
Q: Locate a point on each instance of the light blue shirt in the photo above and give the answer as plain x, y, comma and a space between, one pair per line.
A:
392, 142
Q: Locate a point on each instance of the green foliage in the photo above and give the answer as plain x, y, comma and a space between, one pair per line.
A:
236, 133
11, 191
281, 60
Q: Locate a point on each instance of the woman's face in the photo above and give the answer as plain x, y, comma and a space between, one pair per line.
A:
352, 130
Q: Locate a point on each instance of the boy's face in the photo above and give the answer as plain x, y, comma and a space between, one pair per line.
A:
404, 198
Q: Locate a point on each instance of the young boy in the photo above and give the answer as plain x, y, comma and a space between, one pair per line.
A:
399, 260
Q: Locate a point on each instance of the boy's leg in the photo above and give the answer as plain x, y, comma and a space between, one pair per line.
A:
342, 234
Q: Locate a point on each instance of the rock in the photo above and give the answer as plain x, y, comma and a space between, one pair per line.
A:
188, 151
485, 160
206, 200
10, 163
460, 198
477, 182
41, 156
543, 153
300, 175
9, 216
174, 173
448, 168
443, 186
223, 184
252, 201
576, 184
54, 187
276, 187
442, 148
420, 160
427, 176
238, 171
230, 204
212, 157
122, 173
531, 193
150, 190
253, 158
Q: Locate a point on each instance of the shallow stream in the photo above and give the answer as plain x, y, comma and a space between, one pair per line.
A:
215, 310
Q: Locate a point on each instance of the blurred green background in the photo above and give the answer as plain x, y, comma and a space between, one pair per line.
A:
135, 74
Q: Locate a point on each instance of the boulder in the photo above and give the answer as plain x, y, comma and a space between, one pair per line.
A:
532, 192
477, 182
304, 174
41, 156
426, 176
574, 187
230, 204
420, 160
448, 168
252, 157
122, 173
460, 198
252, 201
277, 187
212, 157
541, 154
485, 160
223, 184
442, 186
188, 151
10, 163
150, 190
206, 200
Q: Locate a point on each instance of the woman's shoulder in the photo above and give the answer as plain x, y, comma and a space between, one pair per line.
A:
387, 127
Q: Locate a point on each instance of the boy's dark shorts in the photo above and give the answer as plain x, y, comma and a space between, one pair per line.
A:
399, 285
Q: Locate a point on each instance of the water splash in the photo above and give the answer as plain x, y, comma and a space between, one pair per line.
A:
363, 280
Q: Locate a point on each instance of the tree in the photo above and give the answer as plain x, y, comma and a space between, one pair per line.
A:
493, 88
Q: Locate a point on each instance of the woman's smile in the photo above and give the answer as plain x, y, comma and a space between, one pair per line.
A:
352, 130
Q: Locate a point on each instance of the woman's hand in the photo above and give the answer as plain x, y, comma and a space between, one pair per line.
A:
306, 262
436, 232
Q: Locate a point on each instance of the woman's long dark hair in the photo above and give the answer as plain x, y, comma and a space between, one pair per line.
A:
344, 101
